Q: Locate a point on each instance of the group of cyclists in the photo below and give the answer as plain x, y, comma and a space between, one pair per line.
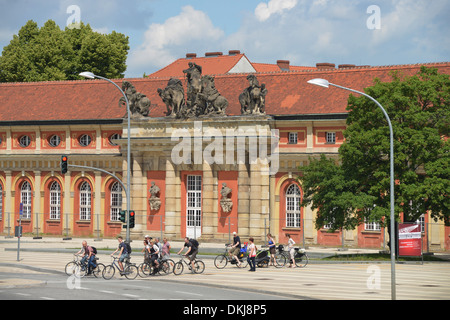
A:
236, 247
154, 251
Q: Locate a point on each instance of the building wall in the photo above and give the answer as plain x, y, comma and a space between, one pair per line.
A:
259, 196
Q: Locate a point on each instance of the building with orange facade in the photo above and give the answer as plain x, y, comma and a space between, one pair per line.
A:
203, 173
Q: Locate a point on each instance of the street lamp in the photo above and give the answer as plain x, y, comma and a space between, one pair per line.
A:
324, 83
90, 75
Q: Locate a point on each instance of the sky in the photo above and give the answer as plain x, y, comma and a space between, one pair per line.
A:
305, 32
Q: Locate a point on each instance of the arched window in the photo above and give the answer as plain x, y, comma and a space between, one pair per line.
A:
293, 206
116, 201
85, 201
55, 201
25, 199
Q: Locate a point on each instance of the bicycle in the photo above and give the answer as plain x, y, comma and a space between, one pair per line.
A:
129, 270
300, 256
199, 266
80, 269
148, 268
222, 260
263, 258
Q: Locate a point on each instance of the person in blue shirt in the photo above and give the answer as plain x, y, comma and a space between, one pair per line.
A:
123, 252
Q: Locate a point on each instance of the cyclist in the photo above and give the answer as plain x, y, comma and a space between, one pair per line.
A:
154, 253
291, 243
192, 251
89, 255
235, 248
123, 252
272, 248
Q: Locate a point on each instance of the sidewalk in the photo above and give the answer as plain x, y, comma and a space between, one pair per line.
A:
207, 250
319, 280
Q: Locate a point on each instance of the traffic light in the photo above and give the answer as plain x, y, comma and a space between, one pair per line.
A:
131, 219
122, 215
63, 164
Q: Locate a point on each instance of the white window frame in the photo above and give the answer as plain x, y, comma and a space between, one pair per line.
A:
193, 205
25, 199
24, 141
330, 137
84, 140
372, 226
54, 140
85, 201
116, 201
293, 138
293, 212
55, 201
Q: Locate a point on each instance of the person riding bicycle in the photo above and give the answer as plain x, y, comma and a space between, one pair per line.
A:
124, 254
235, 248
154, 253
192, 251
291, 249
89, 255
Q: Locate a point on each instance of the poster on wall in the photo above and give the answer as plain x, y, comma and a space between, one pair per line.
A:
409, 240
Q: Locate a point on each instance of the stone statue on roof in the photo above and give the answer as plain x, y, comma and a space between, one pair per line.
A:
173, 97
139, 103
203, 99
194, 82
253, 98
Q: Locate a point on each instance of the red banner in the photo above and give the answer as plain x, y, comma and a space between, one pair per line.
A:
409, 240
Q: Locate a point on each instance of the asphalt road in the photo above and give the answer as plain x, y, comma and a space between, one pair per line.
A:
44, 286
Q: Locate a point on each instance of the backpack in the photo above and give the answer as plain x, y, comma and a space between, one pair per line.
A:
128, 247
94, 250
194, 243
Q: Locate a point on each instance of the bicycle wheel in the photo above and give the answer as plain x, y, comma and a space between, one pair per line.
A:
244, 262
144, 270
164, 267
171, 264
301, 259
199, 266
72, 268
131, 272
178, 268
108, 272
98, 272
221, 261
280, 260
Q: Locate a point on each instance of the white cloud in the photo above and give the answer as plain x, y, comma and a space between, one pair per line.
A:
264, 10
163, 42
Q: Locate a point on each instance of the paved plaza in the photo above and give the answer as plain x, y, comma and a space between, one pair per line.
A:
319, 280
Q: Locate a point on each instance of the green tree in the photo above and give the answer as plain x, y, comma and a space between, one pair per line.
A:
355, 188
49, 53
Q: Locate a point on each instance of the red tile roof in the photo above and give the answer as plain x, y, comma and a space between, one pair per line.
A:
221, 64
59, 100
288, 94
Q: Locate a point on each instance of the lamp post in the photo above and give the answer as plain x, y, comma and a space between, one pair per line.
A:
324, 83
90, 75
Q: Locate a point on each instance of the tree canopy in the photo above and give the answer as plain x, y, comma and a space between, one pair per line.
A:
49, 53
355, 188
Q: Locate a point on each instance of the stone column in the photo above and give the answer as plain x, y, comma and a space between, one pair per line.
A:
209, 206
243, 201
97, 204
8, 217
68, 205
138, 195
172, 227
38, 216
